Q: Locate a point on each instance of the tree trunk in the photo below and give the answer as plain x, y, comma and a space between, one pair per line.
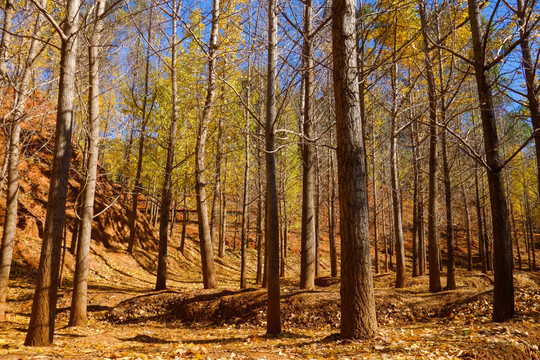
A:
173, 217
260, 253
12, 156
3, 172
284, 226
525, 230
530, 79
358, 319
385, 238
317, 212
273, 324
416, 205
80, 282
401, 280
245, 204
185, 218
5, 45
137, 187
307, 251
503, 304
481, 246
433, 229
375, 228
487, 254
451, 261
217, 191
332, 217
166, 195
529, 224
223, 224
468, 235
41, 327
205, 241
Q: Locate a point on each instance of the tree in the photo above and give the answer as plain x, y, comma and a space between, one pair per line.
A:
273, 323
41, 327
522, 11
307, 252
166, 195
5, 44
358, 319
146, 111
433, 229
503, 305
245, 202
23, 92
80, 281
205, 241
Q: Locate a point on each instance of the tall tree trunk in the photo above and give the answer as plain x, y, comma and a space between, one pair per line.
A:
416, 205
166, 195
41, 327
385, 238
4, 170
317, 212
530, 79
525, 230
273, 324
503, 304
173, 216
401, 279
245, 204
468, 235
217, 191
5, 44
481, 246
487, 254
512, 217
516, 236
433, 229
260, 242
80, 282
358, 319
420, 221
529, 224
375, 228
12, 156
185, 217
205, 241
307, 251
137, 187
223, 224
284, 224
451, 261
332, 216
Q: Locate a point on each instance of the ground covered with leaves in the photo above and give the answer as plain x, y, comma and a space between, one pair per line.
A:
128, 321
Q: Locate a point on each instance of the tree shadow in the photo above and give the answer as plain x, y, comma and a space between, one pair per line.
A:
119, 270
142, 338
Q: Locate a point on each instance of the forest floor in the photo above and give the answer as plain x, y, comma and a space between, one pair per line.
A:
129, 321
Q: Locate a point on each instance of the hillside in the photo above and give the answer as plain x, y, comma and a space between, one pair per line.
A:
130, 321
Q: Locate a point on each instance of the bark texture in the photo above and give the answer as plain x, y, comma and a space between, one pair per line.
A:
503, 304
80, 282
166, 192
23, 90
358, 319
273, 324
307, 249
41, 327
205, 240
